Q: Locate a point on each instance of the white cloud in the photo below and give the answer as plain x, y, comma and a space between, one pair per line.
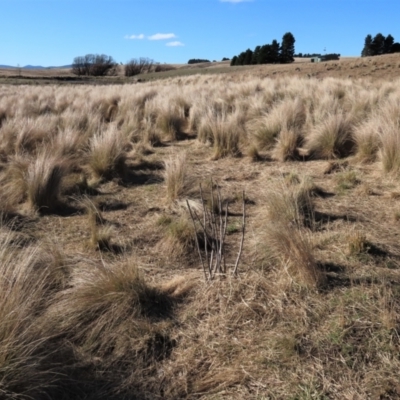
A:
162, 36
234, 1
141, 36
174, 44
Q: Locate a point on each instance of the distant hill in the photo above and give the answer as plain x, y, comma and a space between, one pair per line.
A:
34, 67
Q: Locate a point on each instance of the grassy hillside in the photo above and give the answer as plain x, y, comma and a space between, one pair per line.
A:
379, 67
110, 193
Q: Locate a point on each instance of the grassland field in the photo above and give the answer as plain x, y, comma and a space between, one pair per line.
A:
113, 193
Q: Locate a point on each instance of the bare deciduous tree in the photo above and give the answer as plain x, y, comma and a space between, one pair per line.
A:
94, 65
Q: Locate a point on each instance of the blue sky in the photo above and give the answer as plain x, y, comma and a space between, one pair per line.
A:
53, 32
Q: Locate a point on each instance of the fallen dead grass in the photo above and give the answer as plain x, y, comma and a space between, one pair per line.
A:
314, 310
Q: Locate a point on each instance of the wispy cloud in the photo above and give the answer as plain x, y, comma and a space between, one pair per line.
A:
234, 1
140, 37
162, 36
174, 44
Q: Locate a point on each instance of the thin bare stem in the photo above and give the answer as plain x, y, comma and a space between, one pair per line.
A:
197, 241
242, 240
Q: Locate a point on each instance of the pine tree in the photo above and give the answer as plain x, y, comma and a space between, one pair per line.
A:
387, 44
234, 61
274, 57
287, 48
241, 58
248, 57
378, 44
256, 55
367, 50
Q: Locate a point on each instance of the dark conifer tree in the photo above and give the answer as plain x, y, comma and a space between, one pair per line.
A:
256, 55
378, 44
287, 48
387, 44
274, 56
367, 50
248, 57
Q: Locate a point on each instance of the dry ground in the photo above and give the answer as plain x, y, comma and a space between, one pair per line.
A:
102, 290
380, 67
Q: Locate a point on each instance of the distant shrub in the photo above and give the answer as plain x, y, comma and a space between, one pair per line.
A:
94, 65
163, 68
198, 61
138, 66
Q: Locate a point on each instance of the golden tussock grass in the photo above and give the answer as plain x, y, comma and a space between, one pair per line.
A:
289, 211
314, 311
176, 177
106, 156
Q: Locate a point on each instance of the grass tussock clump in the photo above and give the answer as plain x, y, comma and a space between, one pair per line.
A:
286, 116
224, 132
331, 138
287, 144
176, 177
178, 237
107, 154
105, 304
43, 182
366, 139
28, 359
390, 146
170, 123
287, 238
14, 183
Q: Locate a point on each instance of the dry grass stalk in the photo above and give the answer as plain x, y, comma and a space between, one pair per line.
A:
286, 237
390, 145
43, 181
107, 156
100, 233
214, 228
176, 177
286, 145
366, 138
27, 357
331, 138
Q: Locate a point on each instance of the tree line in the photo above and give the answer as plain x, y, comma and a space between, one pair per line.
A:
379, 44
326, 57
269, 53
103, 65
198, 61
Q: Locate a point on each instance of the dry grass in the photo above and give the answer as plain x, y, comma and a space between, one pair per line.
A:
43, 182
288, 210
107, 154
390, 145
176, 177
331, 138
314, 311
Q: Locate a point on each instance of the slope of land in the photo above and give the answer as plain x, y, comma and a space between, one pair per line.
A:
379, 67
102, 290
